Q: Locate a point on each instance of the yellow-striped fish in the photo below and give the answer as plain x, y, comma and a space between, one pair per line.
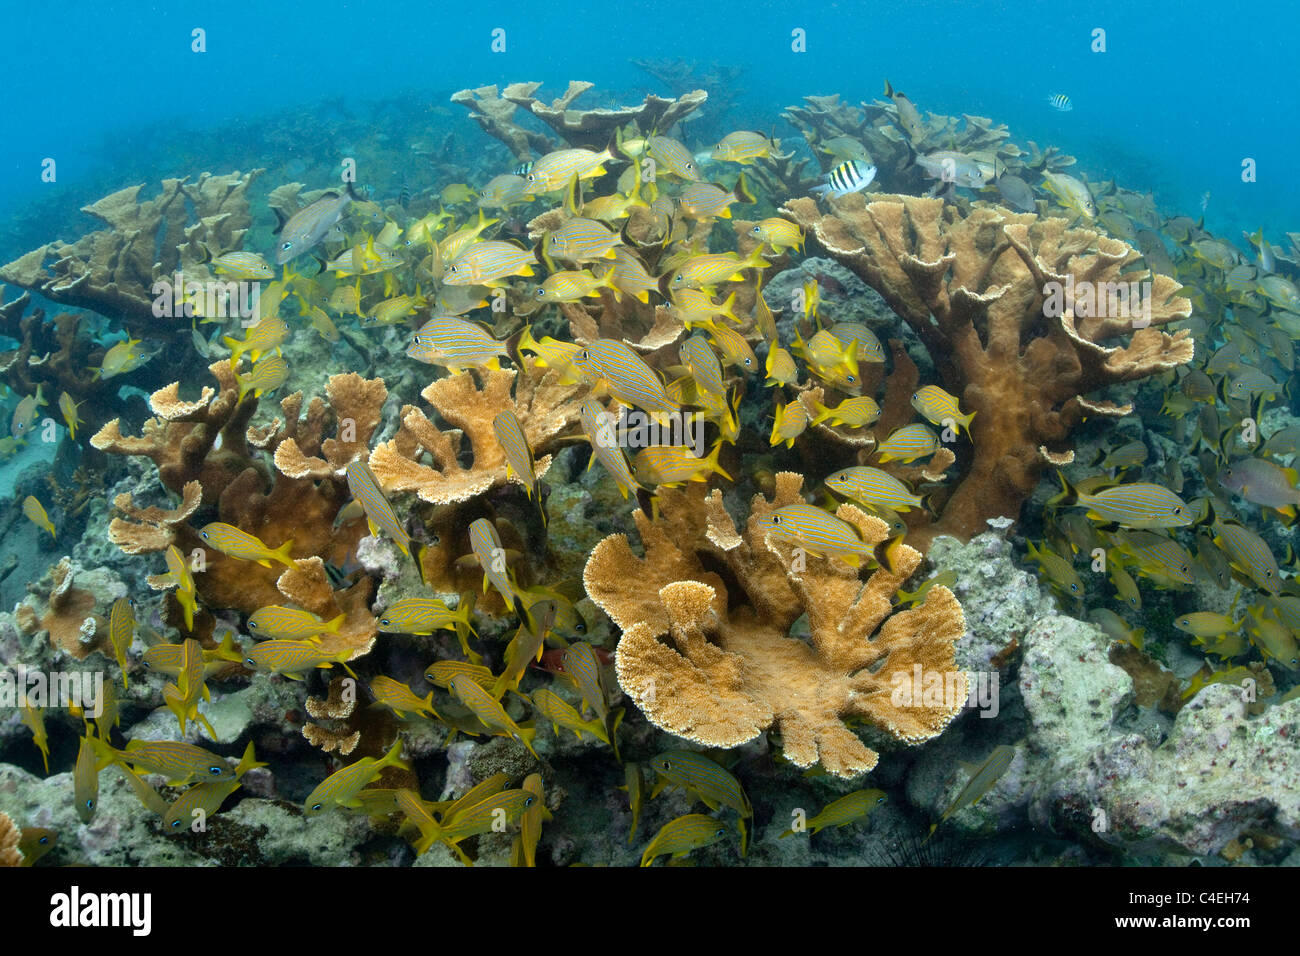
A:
233, 542
743, 146
442, 673
488, 262
599, 428
121, 632
35, 513
69, 409
856, 412
629, 275
340, 788
849, 808
627, 376
519, 456
708, 270
581, 240
293, 659
456, 344
698, 356
380, 515
504, 191
779, 234
489, 710
680, 836
202, 800
85, 778
670, 466
819, 531
908, 444
874, 487
634, 784
788, 423
735, 350
400, 699
938, 407
290, 623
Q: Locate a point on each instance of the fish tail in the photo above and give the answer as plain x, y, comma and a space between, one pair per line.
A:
966, 421
742, 192
281, 554
887, 553
712, 461
394, 756
1069, 496
333, 626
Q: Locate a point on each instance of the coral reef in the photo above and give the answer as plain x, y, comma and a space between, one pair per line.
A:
973, 289
716, 662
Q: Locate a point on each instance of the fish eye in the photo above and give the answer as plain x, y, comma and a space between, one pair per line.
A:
580, 627
1178, 511
286, 246
541, 293
1074, 587
249, 661
528, 802
175, 824
748, 362
316, 806
851, 379
44, 840
90, 804
215, 771
385, 621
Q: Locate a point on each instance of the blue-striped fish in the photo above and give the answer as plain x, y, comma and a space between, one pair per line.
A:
908, 444
869, 347
672, 157
203, 799
743, 146
634, 784
706, 271
629, 276
416, 615
519, 456
240, 266
304, 230
442, 673
571, 285
581, 240
266, 375
872, 486
853, 412
679, 837
670, 466
121, 632
486, 545
981, 782
502, 192
583, 670
708, 201
1249, 554
526, 647
819, 531
557, 169
449, 247
234, 543
290, 623
788, 423
179, 573
380, 515
780, 367
294, 659
627, 376
524, 852
400, 699
1060, 102
505, 806
735, 350
707, 780
173, 759
938, 407
340, 788
85, 778
779, 234
487, 263
698, 356
270, 333
553, 707
599, 428
849, 808
1140, 505
1160, 558
489, 710
34, 719
456, 343
852, 176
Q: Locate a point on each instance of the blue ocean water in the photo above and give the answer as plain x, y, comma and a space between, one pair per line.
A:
1182, 95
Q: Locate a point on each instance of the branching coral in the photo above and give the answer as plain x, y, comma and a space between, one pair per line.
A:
976, 291
707, 650
470, 401
112, 271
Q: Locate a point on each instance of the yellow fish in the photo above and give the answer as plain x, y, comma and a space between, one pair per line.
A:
679, 837
69, 409
35, 513
342, 786
938, 407
233, 542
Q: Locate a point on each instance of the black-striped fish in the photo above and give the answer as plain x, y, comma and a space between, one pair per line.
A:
1060, 102
523, 169
848, 177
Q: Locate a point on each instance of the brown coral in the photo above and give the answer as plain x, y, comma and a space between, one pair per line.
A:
10, 855
707, 650
975, 290
595, 128
112, 271
470, 401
